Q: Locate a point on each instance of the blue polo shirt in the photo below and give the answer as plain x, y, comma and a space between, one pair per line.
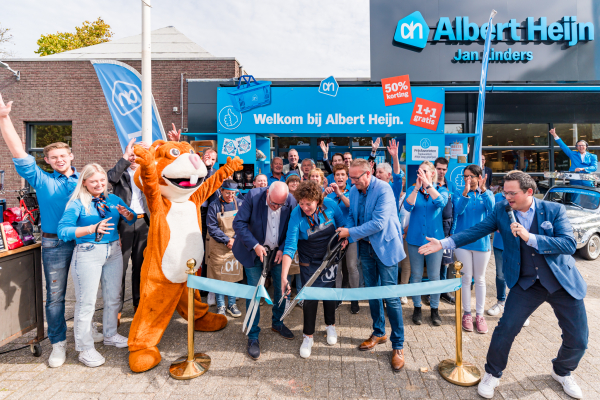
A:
76, 216
271, 178
52, 189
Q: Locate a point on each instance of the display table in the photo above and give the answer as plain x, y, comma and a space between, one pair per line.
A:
21, 295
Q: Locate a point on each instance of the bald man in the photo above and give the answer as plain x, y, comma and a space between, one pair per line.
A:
262, 221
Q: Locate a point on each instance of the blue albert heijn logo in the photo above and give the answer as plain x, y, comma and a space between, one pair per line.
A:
412, 30
329, 86
126, 97
456, 176
425, 143
229, 117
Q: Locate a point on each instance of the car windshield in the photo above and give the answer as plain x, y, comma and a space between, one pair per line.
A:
580, 198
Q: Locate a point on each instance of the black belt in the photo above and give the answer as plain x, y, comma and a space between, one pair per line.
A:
50, 235
140, 216
365, 241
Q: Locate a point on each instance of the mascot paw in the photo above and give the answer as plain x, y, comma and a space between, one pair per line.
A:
236, 163
210, 322
143, 360
144, 157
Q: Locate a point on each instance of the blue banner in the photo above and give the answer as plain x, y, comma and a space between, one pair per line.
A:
122, 87
481, 102
304, 110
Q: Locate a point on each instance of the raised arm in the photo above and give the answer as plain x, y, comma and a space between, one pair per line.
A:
9, 134
149, 177
213, 183
325, 150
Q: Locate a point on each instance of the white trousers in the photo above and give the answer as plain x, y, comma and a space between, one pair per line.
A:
474, 265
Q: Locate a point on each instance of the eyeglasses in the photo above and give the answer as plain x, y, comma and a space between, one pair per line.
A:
469, 176
358, 177
511, 194
272, 203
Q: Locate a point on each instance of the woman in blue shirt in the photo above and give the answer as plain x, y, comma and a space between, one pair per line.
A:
341, 186
312, 225
425, 204
97, 256
471, 207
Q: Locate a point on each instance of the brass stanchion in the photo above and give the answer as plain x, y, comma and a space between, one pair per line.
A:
192, 365
457, 371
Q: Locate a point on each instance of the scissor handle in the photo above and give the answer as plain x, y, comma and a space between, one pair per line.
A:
268, 260
336, 247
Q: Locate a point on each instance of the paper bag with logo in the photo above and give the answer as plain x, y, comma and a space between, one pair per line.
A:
220, 261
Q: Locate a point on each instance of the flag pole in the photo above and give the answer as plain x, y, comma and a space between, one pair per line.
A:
146, 73
482, 86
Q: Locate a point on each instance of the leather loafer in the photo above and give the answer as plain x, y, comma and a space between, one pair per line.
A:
372, 342
253, 349
283, 331
397, 360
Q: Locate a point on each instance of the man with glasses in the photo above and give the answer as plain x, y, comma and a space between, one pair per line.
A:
262, 221
373, 223
581, 159
538, 268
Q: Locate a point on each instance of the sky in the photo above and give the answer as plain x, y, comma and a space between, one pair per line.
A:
270, 38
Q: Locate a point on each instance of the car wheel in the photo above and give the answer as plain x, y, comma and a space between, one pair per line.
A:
591, 250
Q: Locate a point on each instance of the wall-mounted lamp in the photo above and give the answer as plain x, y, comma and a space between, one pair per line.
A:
16, 73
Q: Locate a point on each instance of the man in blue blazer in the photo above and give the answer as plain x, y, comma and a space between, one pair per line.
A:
373, 223
538, 268
262, 220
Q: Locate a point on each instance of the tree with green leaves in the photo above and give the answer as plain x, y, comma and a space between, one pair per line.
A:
5, 38
88, 34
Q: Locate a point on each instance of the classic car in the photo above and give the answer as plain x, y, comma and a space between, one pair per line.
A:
583, 210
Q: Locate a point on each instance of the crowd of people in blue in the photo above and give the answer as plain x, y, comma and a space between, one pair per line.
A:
393, 237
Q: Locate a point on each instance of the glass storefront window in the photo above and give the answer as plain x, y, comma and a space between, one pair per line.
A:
571, 133
287, 142
567, 132
41, 135
523, 160
515, 135
453, 128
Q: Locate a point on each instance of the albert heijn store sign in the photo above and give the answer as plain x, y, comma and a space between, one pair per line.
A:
352, 111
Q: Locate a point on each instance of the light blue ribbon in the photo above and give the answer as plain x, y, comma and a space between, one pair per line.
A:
227, 288
380, 292
314, 293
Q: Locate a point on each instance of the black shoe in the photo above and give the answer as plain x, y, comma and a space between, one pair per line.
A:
354, 307
253, 349
447, 298
435, 317
426, 299
283, 331
417, 316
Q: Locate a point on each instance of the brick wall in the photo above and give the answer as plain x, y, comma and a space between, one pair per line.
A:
70, 91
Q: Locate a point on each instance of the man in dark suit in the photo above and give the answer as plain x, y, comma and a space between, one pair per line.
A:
538, 268
263, 221
133, 237
487, 172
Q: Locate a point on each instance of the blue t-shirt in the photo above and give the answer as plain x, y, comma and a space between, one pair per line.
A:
52, 189
298, 225
470, 211
76, 216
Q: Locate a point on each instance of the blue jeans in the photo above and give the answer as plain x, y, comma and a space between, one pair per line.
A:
520, 304
221, 300
500, 282
92, 263
378, 274
417, 265
253, 274
56, 259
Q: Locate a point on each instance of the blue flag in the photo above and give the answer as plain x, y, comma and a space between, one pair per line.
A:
122, 87
482, 84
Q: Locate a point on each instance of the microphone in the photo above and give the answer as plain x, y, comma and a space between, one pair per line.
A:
511, 214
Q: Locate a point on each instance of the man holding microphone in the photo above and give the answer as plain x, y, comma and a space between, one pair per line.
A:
538, 267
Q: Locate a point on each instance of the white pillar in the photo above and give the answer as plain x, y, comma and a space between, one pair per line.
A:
146, 73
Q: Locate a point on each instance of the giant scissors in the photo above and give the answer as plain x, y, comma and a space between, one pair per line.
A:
255, 302
335, 253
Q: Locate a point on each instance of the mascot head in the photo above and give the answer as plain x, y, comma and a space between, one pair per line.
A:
180, 170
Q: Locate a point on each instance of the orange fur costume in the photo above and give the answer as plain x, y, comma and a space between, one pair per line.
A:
169, 175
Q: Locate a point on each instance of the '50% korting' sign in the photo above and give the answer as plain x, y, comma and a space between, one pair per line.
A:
396, 90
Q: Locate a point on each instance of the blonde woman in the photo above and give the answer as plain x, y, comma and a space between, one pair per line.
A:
425, 205
89, 219
317, 175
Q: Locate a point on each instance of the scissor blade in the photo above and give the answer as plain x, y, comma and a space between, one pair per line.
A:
250, 307
254, 305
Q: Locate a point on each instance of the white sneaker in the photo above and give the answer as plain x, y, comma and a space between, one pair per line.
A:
91, 358
526, 323
58, 355
403, 300
97, 336
306, 347
210, 299
331, 335
117, 341
496, 309
487, 385
569, 385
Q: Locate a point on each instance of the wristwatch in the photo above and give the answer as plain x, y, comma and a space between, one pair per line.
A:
428, 186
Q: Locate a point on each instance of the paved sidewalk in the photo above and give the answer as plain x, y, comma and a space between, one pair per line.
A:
339, 371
